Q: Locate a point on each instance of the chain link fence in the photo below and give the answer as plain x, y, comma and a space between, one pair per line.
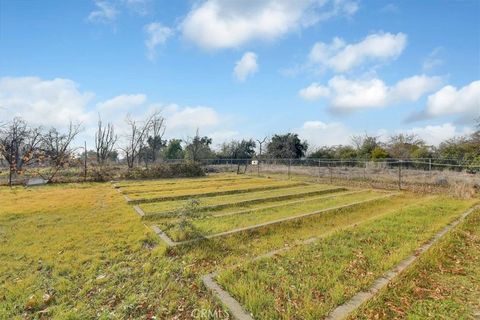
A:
390, 173
385, 173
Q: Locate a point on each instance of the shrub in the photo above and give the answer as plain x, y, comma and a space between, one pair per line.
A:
174, 170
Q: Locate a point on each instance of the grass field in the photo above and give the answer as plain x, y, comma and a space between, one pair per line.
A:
79, 251
310, 281
234, 200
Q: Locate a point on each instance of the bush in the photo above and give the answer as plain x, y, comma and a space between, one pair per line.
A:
103, 173
174, 170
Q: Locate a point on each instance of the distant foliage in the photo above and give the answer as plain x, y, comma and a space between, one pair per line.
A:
198, 148
173, 150
166, 170
237, 149
287, 146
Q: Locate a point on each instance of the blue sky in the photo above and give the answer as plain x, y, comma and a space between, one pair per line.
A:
245, 68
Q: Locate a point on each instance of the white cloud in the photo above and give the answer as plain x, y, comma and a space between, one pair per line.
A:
319, 133
246, 66
122, 102
341, 57
43, 102
435, 134
216, 24
448, 101
433, 59
412, 88
314, 91
221, 136
182, 122
140, 7
344, 94
157, 34
105, 13
191, 118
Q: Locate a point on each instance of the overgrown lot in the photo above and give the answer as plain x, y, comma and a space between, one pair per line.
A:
79, 251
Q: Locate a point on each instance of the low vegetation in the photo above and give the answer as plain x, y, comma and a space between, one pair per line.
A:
309, 282
242, 199
445, 283
78, 251
215, 225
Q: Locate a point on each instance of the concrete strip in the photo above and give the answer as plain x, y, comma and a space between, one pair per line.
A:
265, 224
210, 277
286, 204
233, 305
344, 310
172, 242
164, 236
139, 211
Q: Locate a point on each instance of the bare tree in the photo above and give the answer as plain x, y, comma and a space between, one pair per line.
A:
155, 139
19, 145
56, 149
105, 140
137, 138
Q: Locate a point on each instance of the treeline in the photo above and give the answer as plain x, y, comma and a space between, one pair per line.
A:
465, 149
23, 145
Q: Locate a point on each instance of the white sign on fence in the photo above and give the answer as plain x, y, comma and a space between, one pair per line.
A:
254, 162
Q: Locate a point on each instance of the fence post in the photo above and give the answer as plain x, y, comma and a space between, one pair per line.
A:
289, 164
85, 163
318, 179
365, 170
330, 169
430, 164
399, 174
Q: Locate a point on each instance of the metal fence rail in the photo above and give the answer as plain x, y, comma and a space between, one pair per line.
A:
397, 172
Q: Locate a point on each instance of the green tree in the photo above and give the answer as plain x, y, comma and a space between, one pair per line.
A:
379, 153
173, 150
404, 146
323, 152
198, 148
244, 149
286, 146
365, 145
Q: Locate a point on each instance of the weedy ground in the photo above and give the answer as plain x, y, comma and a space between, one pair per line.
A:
443, 284
297, 192
78, 251
307, 283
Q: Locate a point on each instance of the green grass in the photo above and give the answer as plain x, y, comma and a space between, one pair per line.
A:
255, 204
85, 248
443, 284
307, 283
233, 199
203, 192
194, 185
178, 181
213, 225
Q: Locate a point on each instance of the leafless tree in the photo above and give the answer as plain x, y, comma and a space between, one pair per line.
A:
137, 137
19, 145
155, 139
56, 148
105, 140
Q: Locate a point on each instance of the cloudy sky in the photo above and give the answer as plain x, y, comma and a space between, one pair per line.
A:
326, 69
